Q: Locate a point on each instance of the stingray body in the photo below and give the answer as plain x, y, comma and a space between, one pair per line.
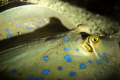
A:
67, 56
64, 57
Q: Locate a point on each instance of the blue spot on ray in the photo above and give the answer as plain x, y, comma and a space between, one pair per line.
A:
13, 70
66, 57
69, 60
59, 68
40, 78
82, 66
59, 79
90, 61
29, 27
102, 58
72, 73
45, 58
66, 49
104, 68
77, 49
66, 39
104, 54
62, 34
19, 25
76, 39
96, 76
107, 61
9, 35
32, 20
52, 40
99, 55
45, 72
73, 33
39, 22
37, 26
0, 34
99, 62
100, 72
6, 29
31, 77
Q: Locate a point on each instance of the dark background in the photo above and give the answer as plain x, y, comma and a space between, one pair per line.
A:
108, 8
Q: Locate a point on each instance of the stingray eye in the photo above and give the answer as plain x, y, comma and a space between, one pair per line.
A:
94, 39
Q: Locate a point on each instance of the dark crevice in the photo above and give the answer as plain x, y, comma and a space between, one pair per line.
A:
108, 8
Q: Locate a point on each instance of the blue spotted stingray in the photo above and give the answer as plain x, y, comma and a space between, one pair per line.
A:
66, 56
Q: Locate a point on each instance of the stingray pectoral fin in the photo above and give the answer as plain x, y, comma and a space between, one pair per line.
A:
7, 56
23, 54
19, 50
11, 53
